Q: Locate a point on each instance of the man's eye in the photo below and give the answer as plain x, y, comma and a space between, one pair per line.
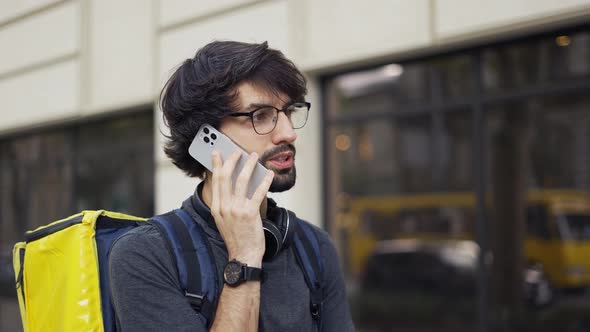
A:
262, 115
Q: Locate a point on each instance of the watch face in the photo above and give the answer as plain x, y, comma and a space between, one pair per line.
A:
232, 272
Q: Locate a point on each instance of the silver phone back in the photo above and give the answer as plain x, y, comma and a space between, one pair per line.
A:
209, 139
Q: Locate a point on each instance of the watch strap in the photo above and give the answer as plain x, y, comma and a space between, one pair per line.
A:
253, 273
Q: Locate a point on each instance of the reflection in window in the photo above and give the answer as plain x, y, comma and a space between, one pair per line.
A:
387, 168
536, 221
37, 183
574, 227
454, 150
415, 154
453, 76
383, 89
402, 161
365, 157
561, 57
124, 181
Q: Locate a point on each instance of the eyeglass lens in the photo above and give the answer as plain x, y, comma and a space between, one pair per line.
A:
265, 119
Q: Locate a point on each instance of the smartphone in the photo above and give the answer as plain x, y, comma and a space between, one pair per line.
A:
209, 139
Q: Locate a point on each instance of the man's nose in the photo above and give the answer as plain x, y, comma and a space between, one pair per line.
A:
283, 132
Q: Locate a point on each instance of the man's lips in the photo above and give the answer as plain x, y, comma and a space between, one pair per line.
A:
282, 160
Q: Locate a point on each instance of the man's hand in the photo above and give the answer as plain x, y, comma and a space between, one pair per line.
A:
238, 217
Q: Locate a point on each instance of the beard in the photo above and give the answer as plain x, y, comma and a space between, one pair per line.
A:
284, 179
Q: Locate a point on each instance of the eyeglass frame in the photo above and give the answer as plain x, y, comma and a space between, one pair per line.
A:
279, 110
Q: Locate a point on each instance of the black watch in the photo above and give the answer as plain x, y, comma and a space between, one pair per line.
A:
236, 272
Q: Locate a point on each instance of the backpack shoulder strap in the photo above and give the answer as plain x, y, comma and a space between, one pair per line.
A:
307, 251
192, 254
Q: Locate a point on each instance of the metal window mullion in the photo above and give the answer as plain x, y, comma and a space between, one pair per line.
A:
408, 112
582, 85
436, 129
479, 166
74, 155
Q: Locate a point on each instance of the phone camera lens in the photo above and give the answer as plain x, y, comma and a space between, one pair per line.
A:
213, 136
206, 139
206, 130
211, 143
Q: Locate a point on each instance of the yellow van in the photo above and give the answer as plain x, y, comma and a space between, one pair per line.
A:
557, 224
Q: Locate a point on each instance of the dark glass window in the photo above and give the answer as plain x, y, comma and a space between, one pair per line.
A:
459, 187
388, 88
114, 168
452, 77
392, 167
536, 221
559, 58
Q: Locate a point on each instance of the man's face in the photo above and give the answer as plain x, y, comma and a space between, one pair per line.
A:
276, 149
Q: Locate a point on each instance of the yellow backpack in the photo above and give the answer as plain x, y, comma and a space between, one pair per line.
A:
59, 267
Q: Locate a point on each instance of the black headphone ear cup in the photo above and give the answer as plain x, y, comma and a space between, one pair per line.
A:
284, 220
272, 240
289, 229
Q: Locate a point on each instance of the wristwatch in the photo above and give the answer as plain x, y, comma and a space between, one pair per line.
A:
236, 272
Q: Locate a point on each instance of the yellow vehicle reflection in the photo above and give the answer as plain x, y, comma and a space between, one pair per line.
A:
557, 224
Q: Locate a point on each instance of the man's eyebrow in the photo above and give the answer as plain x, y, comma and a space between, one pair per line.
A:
254, 106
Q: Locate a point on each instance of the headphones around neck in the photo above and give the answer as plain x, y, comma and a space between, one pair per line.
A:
279, 225
279, 229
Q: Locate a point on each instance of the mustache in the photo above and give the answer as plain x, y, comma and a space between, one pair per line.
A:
276, 150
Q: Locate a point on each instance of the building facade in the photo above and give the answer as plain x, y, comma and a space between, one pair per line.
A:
411, 101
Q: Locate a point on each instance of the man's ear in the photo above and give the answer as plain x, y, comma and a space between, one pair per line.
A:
207, 176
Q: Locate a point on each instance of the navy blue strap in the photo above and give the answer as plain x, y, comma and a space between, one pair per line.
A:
307, 249
190, 249
209, 282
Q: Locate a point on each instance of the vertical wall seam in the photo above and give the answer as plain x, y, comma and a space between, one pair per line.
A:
85, 62
432, 22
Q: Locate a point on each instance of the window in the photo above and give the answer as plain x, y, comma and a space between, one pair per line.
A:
456, 151
536, 222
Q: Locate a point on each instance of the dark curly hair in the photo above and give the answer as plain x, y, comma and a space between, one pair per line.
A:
203, 90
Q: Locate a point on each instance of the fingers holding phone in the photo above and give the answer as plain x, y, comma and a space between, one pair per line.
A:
237, 216
239, 186
209, 139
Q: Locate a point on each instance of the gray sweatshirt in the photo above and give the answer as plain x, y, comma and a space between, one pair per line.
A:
147, 296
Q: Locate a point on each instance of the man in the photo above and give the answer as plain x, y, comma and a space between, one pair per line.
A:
229, 85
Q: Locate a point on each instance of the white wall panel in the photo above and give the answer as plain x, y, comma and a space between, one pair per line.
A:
172, 187
339, 31
457, 17
44, 95
265, 21
173, 11
13, 8
121, 56
39, 38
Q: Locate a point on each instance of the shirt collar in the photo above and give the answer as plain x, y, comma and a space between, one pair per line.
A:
201, 213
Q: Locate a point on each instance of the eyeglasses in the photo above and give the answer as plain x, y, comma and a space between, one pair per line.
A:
264, 119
